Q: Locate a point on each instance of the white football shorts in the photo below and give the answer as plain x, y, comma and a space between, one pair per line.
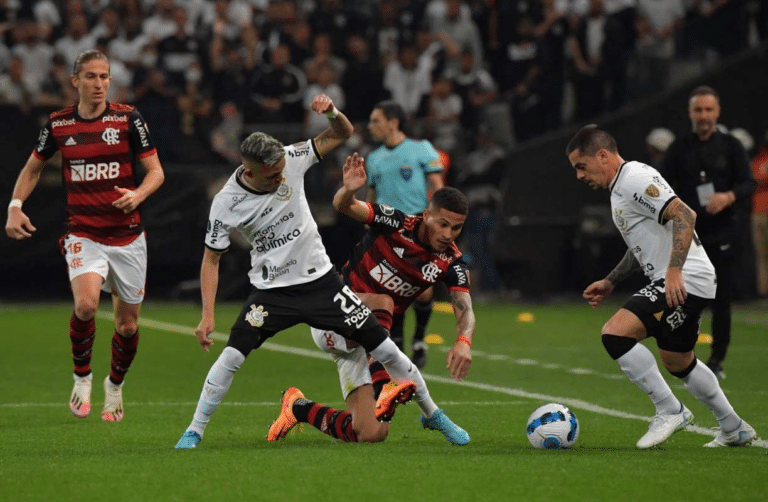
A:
123, 268
352, 362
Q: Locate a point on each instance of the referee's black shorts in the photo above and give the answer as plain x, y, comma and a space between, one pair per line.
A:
675, 329
326, 303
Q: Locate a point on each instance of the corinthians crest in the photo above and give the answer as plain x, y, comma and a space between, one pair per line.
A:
621, 223
256, 316
284, 192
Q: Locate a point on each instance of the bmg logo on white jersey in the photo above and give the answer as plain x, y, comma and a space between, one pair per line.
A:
92, 172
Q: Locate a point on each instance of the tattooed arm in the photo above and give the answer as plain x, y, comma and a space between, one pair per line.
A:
599, 290
460, 356
683, 222
339, 127
624, 269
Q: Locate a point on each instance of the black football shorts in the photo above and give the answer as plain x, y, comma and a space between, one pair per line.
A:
326, 303
675, 329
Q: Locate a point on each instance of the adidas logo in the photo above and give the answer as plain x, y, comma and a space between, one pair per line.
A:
70, 142
399, 251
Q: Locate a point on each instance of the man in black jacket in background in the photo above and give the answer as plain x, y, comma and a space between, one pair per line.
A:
709, 170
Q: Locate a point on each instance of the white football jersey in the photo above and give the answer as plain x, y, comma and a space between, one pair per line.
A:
639, 196
286, 246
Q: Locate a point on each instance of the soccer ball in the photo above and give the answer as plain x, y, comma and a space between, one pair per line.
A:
552, 427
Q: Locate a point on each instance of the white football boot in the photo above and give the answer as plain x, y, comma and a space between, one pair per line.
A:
80, 400
740, 436
664, 425
113, 401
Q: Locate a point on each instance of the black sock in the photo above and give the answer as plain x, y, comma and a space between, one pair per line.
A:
396, 331
379, 376
423, 312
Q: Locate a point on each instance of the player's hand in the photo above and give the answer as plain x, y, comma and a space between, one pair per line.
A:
597, 292
322, 104
18, 226
719, 201
202, 331
128, 200
459, 360
674, 287
354, 173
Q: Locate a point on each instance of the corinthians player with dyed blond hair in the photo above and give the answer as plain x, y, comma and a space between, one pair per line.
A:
658, 228
104, 247
292, 277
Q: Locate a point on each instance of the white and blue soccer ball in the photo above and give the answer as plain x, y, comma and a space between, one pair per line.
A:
552, 427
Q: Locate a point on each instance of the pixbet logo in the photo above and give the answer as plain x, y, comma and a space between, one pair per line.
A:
114, 118
99, 171
62, 123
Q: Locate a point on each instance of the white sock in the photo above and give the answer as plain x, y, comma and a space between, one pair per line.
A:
703, 384
640, 366
216, 385
401, 368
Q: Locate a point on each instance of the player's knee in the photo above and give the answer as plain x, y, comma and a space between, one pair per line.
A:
85, 309
617, 346
372, 337
678, 364
372, 434
387, 353
244, 341
126, 328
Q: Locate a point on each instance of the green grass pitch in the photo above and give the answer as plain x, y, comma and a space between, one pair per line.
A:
47, 454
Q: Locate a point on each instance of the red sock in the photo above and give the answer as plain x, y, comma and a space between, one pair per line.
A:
384, 317
335, 423
82, 334
123, 352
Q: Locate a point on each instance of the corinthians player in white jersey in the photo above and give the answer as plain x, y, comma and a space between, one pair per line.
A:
292, 277
658, 228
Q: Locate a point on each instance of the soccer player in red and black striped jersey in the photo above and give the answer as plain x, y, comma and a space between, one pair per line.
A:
396, 261
104, 247
403, 255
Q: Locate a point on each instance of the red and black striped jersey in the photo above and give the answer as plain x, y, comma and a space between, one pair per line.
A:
97, 155
391, 259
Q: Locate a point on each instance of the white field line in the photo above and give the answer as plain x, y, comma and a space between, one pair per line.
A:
533, 362
575, 403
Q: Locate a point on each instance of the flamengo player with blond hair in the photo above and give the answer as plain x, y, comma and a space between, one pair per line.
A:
104, 247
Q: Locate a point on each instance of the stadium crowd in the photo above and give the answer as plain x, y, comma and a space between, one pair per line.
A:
474, 76
201, 71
